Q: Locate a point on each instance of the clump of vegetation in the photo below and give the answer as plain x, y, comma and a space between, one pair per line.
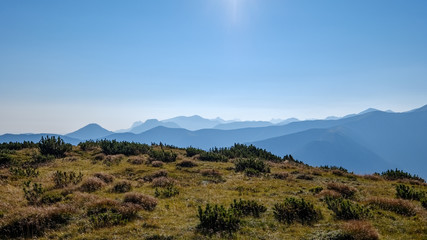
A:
24, 172
346, 210
398, 206
63, 179
114, 147
305, 177
344, 190
54, 146
122, 187
245, 151
32, 192
159, 237
17, 145
105, 213
91, 184
161, 155
107, 178
136, 160
88, 145
248, 208
359, 230
424, 203
316, 190
191, 151
146, 202
163, 182
35, 221
212, 157
406, 192
51, 197
210, 173
298, 210
166, 192
151, 177
217, 219
281, 175
157, 164
251, 166
399, 174
186, 164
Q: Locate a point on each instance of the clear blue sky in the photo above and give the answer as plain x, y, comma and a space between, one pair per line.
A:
64, 64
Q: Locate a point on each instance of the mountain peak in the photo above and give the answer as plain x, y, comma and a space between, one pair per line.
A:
90, 131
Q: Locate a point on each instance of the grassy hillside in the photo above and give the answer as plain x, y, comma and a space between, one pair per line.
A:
110, 190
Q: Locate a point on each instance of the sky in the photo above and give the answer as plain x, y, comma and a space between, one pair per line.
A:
64, 64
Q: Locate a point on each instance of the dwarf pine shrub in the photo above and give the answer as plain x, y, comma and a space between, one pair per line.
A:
53, 146
161, 155
298, 210
217, 219
406, 192
345, 209
166, 192
251, 166
32, 192
212, 157
186, 164
24, 172
399, 174
63, 179
248, 207
191, 151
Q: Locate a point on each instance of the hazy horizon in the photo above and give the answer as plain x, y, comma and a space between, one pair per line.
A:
65, 64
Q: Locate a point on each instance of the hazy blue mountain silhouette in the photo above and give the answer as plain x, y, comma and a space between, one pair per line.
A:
242, 124
194, 122
90, 131
152, 123
35, 137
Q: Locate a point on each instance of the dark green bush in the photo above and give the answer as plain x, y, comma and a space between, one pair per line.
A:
406, 192
212, 157
63, 179
88, 145
161, 155
424, 203
251, 166
24, 171
112, 147
159, 237
122, 187
299, 210
191, 151
316, 190
248, 207
217, 219
186, 164
32, 192
51, 197
167, 192
54, 146
244, 151
345, 209
399, 174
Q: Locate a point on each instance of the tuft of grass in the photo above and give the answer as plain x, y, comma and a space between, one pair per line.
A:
106, 213
162, 182
398, 206
344, 190
157, 163
210, 173
122, 187
186, 164
146, 202
280, 175
91, 184
105, 177
299, 210
359, 230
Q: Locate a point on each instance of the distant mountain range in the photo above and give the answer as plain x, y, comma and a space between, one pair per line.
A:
370, 141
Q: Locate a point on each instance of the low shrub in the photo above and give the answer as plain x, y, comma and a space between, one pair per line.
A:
191, 151
316, 190
344, 190
338, 172
88, 145
299, 210
398, 206
280, 175
136, 160
157, 164
32, 192
424, 203
251, 166
100, 156
406, 192
146, 202
112, 147
91, 184
160, 173
54, 146
187, 164
161, 155
166, 192
305, 177
105, 177
372, 177
106, 212
248, 208
112, 160
63, 179
51, 197
212, 157
359, 230
122, 187
35, 221
399, 174
24, 171
346, 210
163, 182
329, 193
217, 219
210, 173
